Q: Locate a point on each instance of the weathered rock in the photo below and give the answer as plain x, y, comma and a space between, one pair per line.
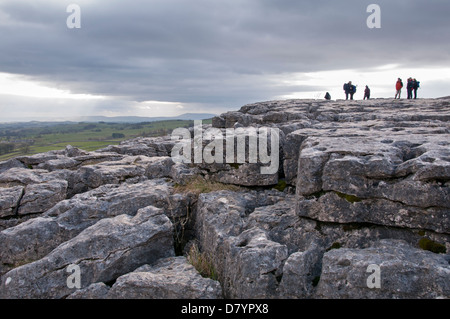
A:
22, 176
301, 273
103, 252
226, 222
404, 273
38, 198
182, 173
364, 171
23, 243
253, 265
9, 200
11, 163
96, 290
29, 241
171, 278
353, 180
130, 169
248, 263
241, 157
244, 175
147, 146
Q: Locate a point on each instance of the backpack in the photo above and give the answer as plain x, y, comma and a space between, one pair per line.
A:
418, 84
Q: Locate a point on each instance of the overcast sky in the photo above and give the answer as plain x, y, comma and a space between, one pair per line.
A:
168, 57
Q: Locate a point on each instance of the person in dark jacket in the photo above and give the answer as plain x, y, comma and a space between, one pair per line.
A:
367, 93
349, 89
415, 86
409, 88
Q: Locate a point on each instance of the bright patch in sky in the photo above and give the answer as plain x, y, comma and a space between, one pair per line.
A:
18, 85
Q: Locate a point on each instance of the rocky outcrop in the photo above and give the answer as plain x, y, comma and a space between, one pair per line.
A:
171, 278
71, 216
346, 273
104, 251
357, 207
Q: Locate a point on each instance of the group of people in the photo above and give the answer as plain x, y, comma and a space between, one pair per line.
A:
350, 90
411, 87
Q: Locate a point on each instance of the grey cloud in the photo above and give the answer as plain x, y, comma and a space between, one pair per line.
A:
204, 51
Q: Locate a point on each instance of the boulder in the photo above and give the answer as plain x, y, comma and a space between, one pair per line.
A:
403, 272
38, 198
169, 278
9, 200
110, 248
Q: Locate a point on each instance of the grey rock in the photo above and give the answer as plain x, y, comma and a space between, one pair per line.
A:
248, 262
404, 273
301, 273
38, 198
244, 175
96, 290
34, 160
62, 162
253, 265
9, 200
170, 278
376, 182
339, 208
23, 243
103, 252
11, 163
364, 171
147, 146
22, 176
182, 173
29, 241
131, 169
71, 151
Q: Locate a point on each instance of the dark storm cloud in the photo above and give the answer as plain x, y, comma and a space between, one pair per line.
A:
216, 52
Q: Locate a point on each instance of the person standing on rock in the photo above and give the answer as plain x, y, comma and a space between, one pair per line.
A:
415, 86
398, 88
367, 93
349, 89
409, 88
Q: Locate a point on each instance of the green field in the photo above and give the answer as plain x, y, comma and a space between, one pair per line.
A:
17, 139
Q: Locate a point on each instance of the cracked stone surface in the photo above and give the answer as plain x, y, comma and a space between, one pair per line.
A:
358, 182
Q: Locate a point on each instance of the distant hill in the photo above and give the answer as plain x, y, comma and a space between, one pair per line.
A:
138, 119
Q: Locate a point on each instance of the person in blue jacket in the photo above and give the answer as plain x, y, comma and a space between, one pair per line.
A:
415, 86
409, 88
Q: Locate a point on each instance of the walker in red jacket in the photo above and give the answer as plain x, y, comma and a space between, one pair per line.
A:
398, 87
